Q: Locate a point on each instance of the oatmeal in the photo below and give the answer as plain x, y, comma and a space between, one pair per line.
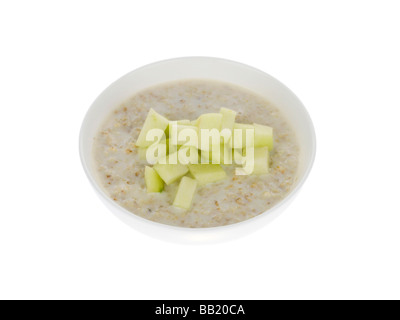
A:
236, 198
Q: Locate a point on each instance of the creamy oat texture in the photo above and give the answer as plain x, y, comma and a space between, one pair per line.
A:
226, 202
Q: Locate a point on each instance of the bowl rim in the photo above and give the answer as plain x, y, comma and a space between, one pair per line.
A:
154, 224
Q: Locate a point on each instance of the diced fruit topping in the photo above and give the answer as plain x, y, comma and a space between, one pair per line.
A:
153, 180
142, 153
188, 155
184, 122
171, 172
210, 121
180, 150
208, 139
263, 136
243, 135
228, 118
261, 160
224, 156
207, 173
153, 121
183, 134
185, 194
155, 152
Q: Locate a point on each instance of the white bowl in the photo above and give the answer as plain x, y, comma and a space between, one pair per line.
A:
192, 68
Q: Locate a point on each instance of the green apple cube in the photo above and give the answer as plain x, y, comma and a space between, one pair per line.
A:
142, 153
261, 160
185, 194
207, 157
210, 121
183, 135
188, 155
153, 180
213, 136
169, 171
179, 122
166, 142
240, 135
228, 118
263, 136
224, 156
153, 121
207, 173
238, 157
184, 122
163, 147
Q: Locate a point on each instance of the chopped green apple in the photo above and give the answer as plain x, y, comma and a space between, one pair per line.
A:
224, 156
153, 155
153, 121
188, 155
184, 196
244, 145
256, 161
183, 135
179, 122
153, 180
208, 139
242, 126
241, 137
184, 122
238, 157
207, 173
228, 118
261, 161
142, 153
170, 170
208, 157
166, 142
210, 121
263, 136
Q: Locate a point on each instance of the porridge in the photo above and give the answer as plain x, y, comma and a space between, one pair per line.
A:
126, 176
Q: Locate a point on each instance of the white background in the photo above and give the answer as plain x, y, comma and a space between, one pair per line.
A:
339, 239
